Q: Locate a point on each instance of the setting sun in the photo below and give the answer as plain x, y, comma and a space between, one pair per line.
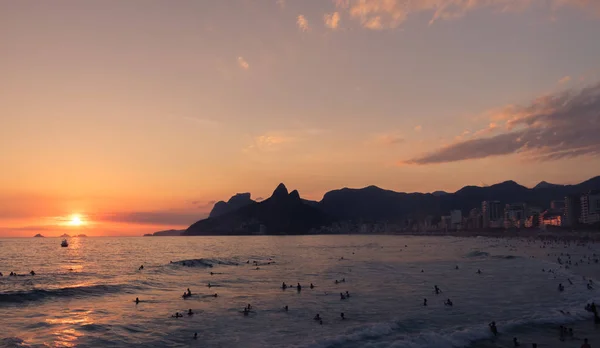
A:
75, 220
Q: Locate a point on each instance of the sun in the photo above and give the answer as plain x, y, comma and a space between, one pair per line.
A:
75, 220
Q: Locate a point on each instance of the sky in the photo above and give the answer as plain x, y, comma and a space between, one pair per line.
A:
121, 117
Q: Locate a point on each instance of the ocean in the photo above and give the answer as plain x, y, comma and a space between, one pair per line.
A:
84, 295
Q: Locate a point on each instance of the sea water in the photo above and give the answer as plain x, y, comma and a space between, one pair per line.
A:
84, 295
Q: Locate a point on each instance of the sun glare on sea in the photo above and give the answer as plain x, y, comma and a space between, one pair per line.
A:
75, 220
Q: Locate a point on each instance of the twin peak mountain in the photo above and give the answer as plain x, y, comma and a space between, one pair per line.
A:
287, 213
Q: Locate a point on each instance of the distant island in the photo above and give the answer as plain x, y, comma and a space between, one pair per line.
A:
38, 236
81, 236
376, 210
65, 236
167, 233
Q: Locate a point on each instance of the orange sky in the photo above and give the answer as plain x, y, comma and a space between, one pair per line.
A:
140, 115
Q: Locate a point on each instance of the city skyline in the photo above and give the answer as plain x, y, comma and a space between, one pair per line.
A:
137, 116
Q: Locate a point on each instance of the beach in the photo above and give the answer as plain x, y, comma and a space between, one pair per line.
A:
84, 295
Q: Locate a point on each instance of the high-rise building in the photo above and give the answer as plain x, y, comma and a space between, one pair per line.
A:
514, 215
492, 213
572, 211
590, 207
557, 205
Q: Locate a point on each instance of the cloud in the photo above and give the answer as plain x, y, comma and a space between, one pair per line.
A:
268, 142
302, 23
563, 125
492, 127
389, 14
150, 218
388, 139
564, 80
332, 20
418, 128
243, 63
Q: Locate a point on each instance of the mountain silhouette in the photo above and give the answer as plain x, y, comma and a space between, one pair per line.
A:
282, 213
287, 213
235, 202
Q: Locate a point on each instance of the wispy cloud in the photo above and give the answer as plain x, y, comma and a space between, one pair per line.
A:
150, 218
562, 125
388, 139
332, 20
492, 127
564, 80
389, 14
418, 128
243, 63
302, 23
268, 142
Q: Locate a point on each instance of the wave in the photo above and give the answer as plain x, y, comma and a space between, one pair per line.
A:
477, 253
445, 338
75, 292
205, 263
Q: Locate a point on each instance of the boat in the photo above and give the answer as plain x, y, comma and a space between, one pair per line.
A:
64, 243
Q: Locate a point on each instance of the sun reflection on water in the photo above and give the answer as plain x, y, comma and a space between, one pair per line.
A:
66, 333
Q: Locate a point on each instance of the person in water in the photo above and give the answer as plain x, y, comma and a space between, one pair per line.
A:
478, 271
209, 285
299, 287
195, 335
424, 302
448, 303
189, 292
342, 316
246, 311
215, 295
515, 342
585, 344
137, 300
190, 312
141, 267
560, 287
283, 286
493, 328
32, 273
312, 286
437, 290
342, 297
347, 294
317, 317
285, 308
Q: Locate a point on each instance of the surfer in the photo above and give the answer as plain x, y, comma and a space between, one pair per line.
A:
493, 328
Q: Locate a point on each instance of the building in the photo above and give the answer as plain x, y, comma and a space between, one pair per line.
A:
532, 221
572, 211
590, 207
514, 215
492, 213
455, 218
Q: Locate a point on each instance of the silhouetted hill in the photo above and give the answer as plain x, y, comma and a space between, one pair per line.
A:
372, 204
167, 233
282, 213
235, 202
38, 236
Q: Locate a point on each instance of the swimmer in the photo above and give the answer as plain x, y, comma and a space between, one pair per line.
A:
478, 271
285, 308
141, 267
299, 288
448, 303
342, 297
189, 292
456, 267
493, 328
436, 289
137, 300
342, 316
347, 294
336, 281
215, 295
284, 286
585, 344
424, 302
190, 312
209, 285
32, 273
515, 342
312, 286
195, 335
320, 322
317, 317
246, 311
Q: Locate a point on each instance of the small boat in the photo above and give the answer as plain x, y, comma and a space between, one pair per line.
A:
64, 243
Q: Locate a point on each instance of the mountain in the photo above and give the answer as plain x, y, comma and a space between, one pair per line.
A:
543, 185
237, 201
282, 213
167, 233
372, 204
38, 236
439, 193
